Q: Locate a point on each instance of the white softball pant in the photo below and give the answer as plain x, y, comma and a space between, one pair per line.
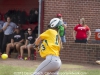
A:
50, 66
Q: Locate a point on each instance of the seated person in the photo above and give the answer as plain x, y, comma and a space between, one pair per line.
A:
16, 41
28, 44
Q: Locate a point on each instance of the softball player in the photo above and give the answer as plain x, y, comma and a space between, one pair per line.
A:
49, 49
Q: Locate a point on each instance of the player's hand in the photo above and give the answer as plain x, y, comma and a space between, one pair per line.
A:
8, 23
36, 49
87, 39
74, 38
62, 47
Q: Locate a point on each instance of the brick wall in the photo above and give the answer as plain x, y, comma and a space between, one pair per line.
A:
72, 11
81, 53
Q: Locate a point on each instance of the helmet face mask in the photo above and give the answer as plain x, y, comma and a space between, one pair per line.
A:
54, 23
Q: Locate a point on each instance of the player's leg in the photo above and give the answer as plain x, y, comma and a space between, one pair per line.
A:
63, 39
18, 45
29, 51
9, 46
4, 44
50, 64
54, 73
21, 51
1, 38
9, 41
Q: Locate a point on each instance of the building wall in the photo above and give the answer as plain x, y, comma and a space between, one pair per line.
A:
25, 5
72, 11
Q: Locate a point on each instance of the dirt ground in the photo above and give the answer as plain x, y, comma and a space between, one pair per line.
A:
16, 62
31, 63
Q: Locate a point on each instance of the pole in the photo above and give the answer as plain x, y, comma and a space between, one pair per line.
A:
39, 18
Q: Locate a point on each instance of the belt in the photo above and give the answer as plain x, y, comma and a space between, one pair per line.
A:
7, 34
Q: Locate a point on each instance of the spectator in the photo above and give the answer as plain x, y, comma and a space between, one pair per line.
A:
1, 32
28, 44
8, 29
16, 41
81, 33
64, 24
49, 49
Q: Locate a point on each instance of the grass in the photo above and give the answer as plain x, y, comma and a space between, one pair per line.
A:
15, 70
19, 70
81, 72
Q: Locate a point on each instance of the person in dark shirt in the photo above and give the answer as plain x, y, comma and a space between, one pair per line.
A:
16, 41
28, 44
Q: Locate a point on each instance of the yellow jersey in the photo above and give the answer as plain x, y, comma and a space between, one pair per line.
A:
50, 44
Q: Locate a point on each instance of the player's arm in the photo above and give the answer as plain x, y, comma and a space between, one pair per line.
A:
41, 38
21, 41
26, 43
37, 42
74, 34
89, 34
12, 41
61, 46
5, 26
23, 37
65, 25
1, 30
